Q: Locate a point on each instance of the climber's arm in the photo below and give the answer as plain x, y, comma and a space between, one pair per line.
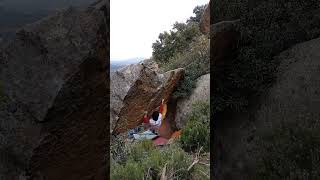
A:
145, 118
161, 106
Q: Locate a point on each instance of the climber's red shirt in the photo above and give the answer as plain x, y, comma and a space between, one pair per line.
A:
146, 119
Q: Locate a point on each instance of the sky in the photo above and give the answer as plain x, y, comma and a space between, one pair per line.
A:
135, 25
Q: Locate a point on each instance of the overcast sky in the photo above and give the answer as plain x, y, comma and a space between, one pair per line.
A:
135, 25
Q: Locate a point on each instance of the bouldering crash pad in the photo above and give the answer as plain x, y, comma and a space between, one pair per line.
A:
160, 141
145, 135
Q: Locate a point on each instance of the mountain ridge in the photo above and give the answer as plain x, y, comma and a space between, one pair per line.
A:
117, 64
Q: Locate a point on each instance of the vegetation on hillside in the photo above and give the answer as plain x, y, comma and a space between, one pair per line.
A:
196, 133
184, 47
178, 39
143, 160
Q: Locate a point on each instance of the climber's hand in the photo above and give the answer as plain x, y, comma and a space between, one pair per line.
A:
162, 101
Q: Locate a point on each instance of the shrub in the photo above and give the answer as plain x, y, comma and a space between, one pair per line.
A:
129, 171
196, 53
195, 61
155, 162
176, 160
198, 11
267, 28
201, 112
188, 83
178, 39
178, 163
290, 151
140, 150
175, 41
184, 47
201, 172
151, 162
196, 133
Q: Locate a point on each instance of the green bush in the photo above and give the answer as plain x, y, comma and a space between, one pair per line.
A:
196, 133
175, 41
129, 171
178, 39
196, 53
188, 83
198, 11
267, 28
195, 61
140, 150
178, 163
147, 161
290, 150
184, 47
176, 160
201, 172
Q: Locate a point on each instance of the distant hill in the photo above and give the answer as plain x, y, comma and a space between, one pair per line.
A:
117, 64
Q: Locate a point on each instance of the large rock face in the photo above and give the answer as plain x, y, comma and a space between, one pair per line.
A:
200, 93
53, 116
223, 35
297, 91
223, 41
295, 95
138, 88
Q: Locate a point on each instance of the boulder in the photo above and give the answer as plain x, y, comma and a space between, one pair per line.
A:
224, 38
294, 96
54, 107
137, 88
200, 93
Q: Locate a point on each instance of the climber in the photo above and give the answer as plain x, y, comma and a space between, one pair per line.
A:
155, 121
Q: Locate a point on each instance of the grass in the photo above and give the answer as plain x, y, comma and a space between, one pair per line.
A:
146, 161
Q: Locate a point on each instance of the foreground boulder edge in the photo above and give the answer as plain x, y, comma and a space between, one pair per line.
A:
54, 108
294, 97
